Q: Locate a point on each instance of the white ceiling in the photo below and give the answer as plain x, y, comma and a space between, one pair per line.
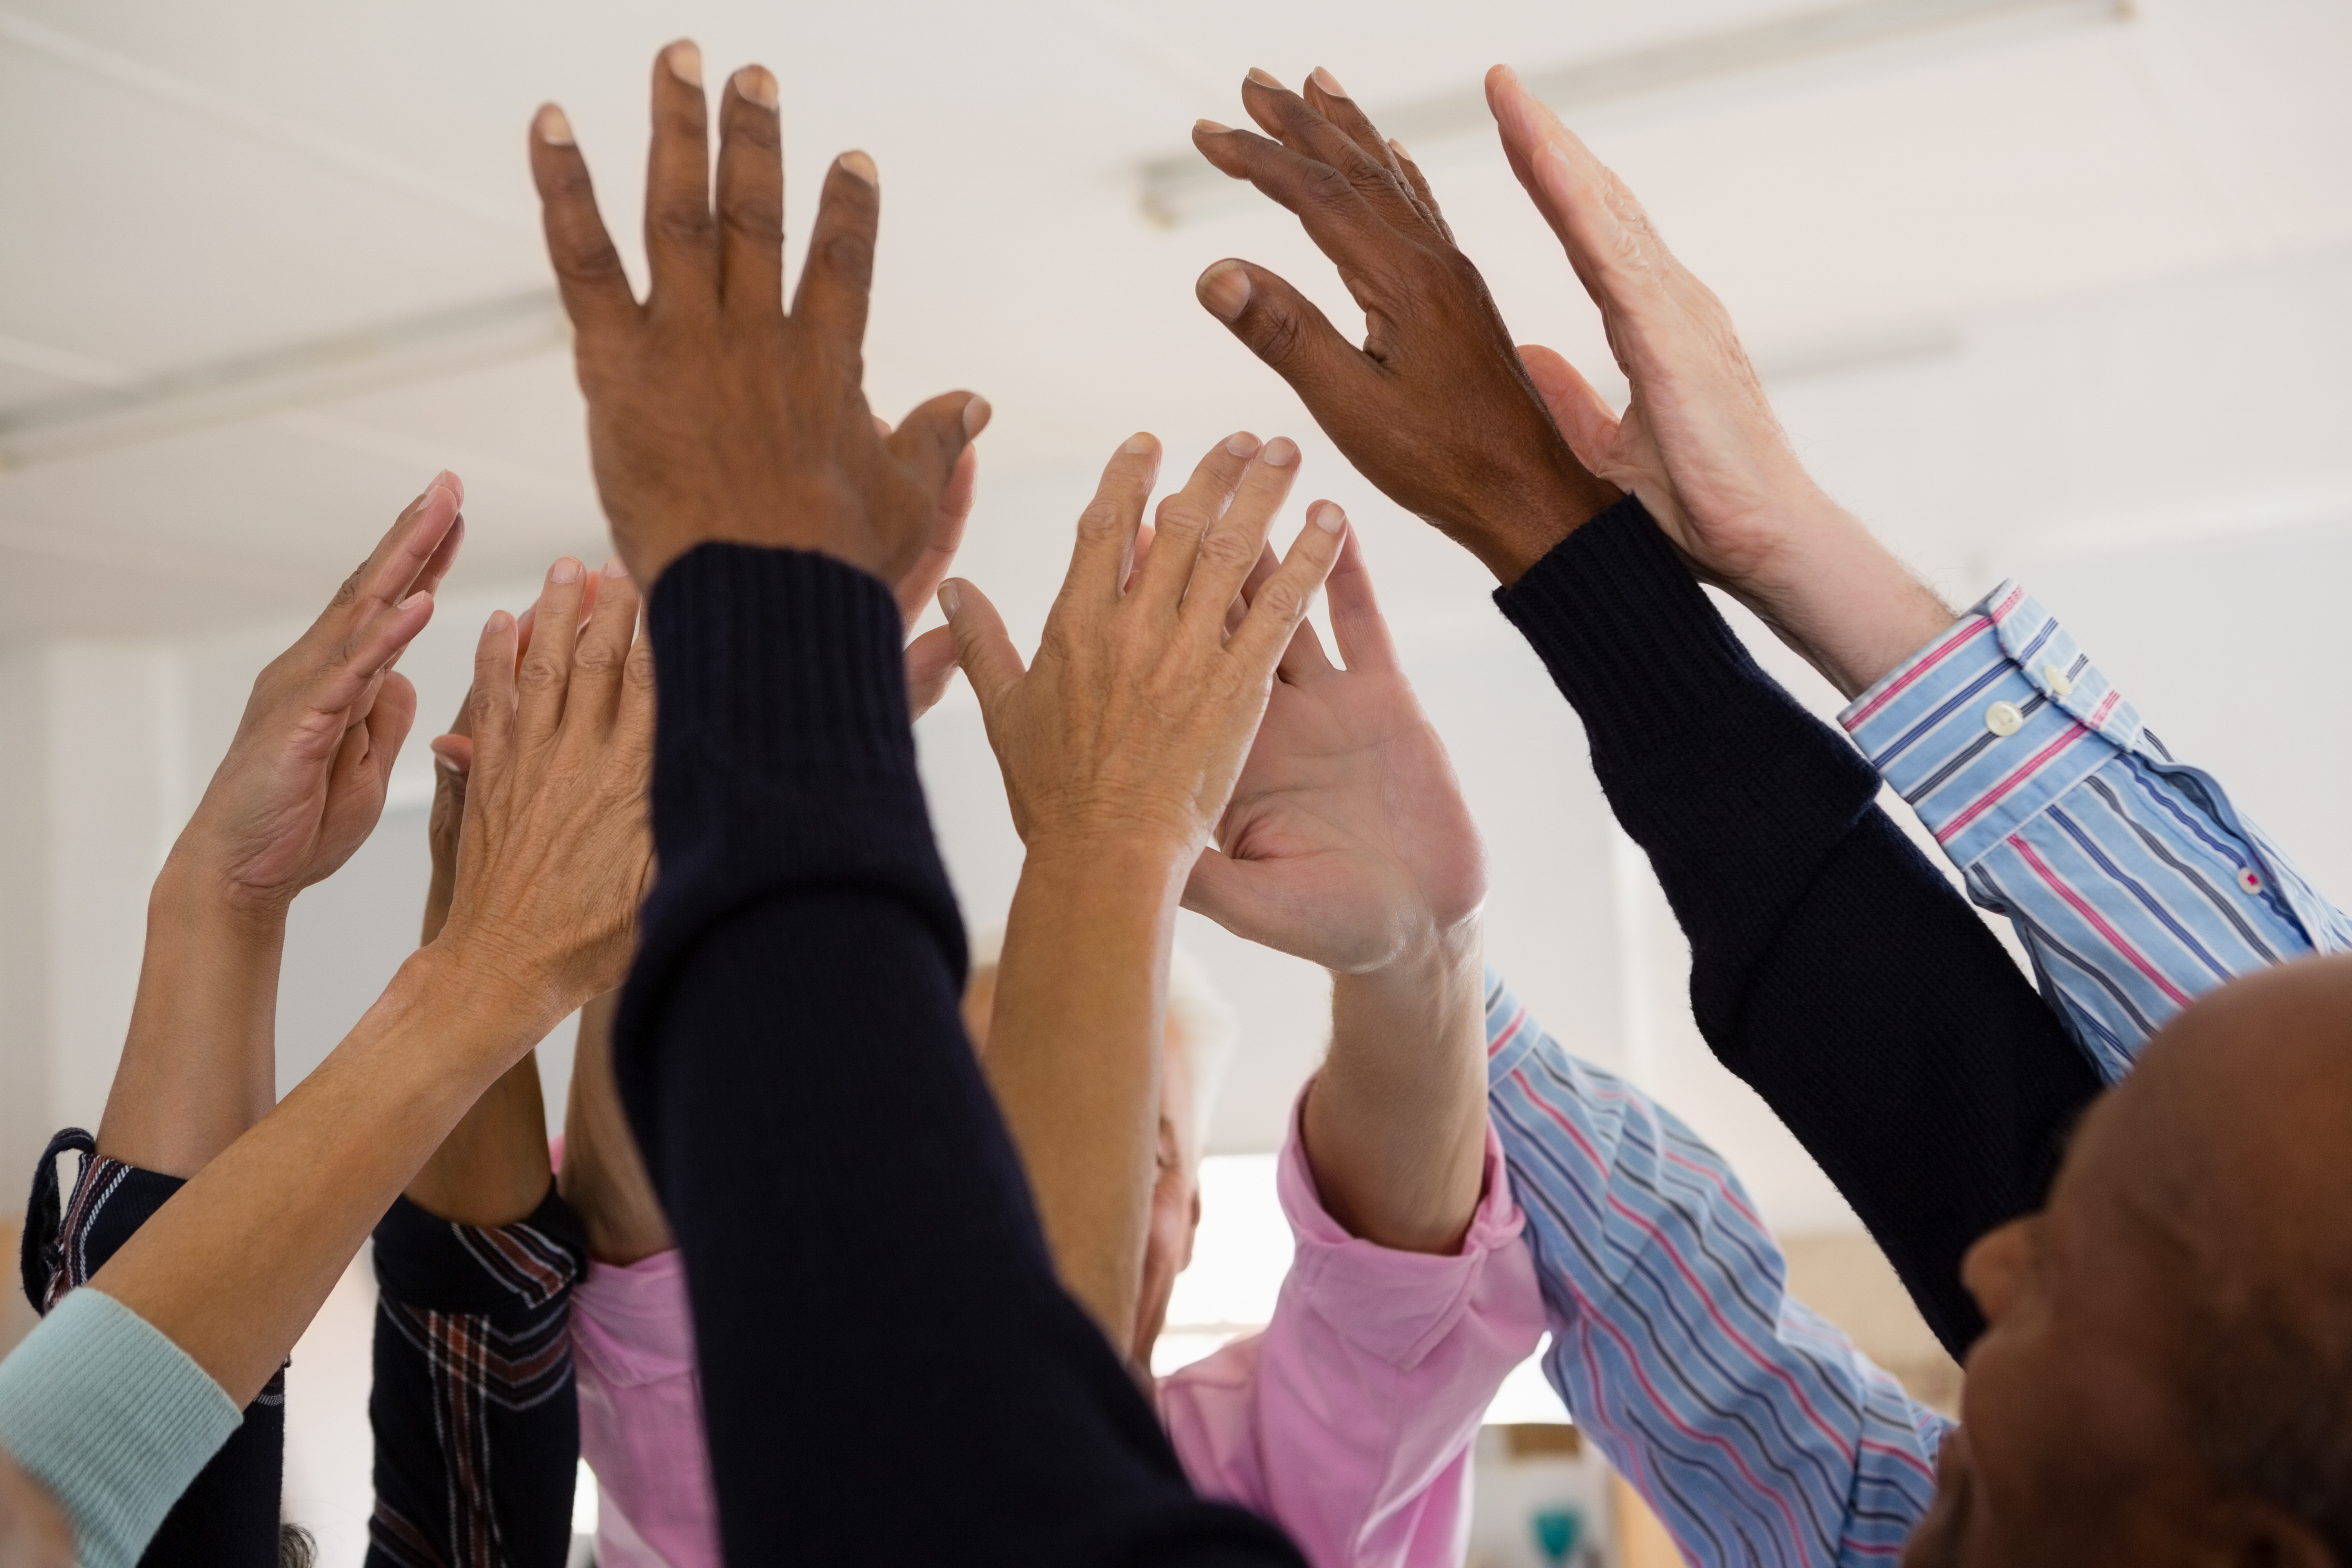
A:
190, 182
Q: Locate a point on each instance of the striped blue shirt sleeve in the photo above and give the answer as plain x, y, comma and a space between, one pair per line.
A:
1754, 1429
2133, 882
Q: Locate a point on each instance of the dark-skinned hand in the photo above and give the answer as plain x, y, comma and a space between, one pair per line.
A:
1435, 407
712, 413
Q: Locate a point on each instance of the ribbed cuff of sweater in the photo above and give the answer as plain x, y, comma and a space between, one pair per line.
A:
113, 1418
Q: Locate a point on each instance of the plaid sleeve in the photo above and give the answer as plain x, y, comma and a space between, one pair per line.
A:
229, 1513
2134, 882
476, 1418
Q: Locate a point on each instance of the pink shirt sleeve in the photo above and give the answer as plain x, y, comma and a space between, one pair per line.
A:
641, 1416
1350, 1421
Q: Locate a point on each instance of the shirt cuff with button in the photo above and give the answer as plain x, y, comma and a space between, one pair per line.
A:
2133, 881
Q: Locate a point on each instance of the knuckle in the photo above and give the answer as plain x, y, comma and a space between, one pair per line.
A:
1101, 520
482, 706
1280, 336
1282, 598
843, 252
540, 672
596, 656
1325, 183
1228, 547
683, 222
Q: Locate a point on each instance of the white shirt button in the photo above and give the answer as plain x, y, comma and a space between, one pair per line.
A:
2056, 679
2251, 879
2003, 719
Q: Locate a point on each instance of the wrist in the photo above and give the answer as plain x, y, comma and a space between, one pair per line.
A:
1842, 599
192, 897
1435, 964
1514, 530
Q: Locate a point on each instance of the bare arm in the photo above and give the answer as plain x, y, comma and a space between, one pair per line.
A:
1119, 748
1348, 844
603, 1177
551, 868
300, 788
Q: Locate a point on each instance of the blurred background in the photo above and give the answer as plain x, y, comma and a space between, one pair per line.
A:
2056, 288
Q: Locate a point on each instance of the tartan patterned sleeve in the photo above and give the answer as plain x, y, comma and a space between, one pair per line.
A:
474, 1412
2132, 880
1755, 1430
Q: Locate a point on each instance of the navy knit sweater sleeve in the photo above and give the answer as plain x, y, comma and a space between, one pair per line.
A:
1832, 968
890, 1373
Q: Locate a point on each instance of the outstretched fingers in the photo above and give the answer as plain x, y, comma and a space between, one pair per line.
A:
681, 253
948, 519
603, 649
490, 706
750, 196
588, 273
837, 280
1357, 624
1102, 559
1183, 522
1234, 541
1282, 598
543, 683
1329, 128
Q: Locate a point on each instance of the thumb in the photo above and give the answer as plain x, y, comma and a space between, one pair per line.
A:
930, 665
989, 659
931, 439
1233, 893
1285, 329
1585, 420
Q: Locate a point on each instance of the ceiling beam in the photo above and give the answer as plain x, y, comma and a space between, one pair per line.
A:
1184, 187
421, 348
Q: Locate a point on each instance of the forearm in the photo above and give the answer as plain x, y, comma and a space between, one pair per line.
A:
604, 1176
1074, 1052
492, 1169
1395, 1122
1834, 969
290, 1201
1838, 595
199, 1062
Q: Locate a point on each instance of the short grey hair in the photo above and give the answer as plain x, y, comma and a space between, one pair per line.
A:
1203, 1019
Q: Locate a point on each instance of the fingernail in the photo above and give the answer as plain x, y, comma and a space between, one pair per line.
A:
1225, 289
1397, 147
1280, 452
1263, 79
977, 412
499, 621
1138, 444
1326, 516
684, 59
859, 165
949, 600
1211, 128
757, 84
567, 570
552, 128
1241, 443
613, 568
444, 764
1327, 82
423, 595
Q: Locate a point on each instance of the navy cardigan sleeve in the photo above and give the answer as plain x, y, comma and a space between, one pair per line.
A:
890, 1372
1832, 967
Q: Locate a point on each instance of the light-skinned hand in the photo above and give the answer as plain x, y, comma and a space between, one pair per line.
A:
1697, 440
1134, 717
712, 413
556, 846
1434, 407
1348, 842
304, 780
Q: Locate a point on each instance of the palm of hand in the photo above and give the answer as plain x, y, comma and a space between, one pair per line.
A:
1347, 840
286, 810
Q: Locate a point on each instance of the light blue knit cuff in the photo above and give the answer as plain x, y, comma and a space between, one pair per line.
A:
113, 1418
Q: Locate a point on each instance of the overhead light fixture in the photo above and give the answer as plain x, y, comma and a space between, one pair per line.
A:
446, 343
1179, 189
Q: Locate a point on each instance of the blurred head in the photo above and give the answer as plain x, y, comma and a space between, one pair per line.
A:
33, 1531
1195, 1049
2166, 1376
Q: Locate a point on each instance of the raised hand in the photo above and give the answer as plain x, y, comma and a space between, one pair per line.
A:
931, 657
300, 788
1120, 744
557, 845
1139, 709
303, 782
1698, 441
1348, 842
713, 413
1434, 407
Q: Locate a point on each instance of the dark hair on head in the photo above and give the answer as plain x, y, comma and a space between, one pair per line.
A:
2270, 1404
296, 1548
